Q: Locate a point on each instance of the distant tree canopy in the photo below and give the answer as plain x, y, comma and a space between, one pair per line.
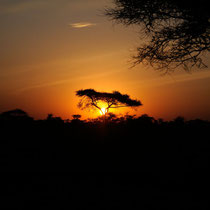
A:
91, 98
177, 30
16, 114
76, 116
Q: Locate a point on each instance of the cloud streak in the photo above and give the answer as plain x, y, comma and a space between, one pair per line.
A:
82, 25
60, 82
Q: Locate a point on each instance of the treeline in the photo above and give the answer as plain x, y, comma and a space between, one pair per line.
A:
124, 162
109, 134
19, 116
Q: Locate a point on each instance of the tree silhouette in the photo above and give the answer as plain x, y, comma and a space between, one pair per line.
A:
91, 99
16, 114
177, 31
76, 116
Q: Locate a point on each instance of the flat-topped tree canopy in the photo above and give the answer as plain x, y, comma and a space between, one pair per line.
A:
92, 98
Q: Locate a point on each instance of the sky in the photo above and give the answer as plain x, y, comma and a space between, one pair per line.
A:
52, 48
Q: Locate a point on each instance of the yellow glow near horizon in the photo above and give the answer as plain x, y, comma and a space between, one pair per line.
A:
103, 111
102, 105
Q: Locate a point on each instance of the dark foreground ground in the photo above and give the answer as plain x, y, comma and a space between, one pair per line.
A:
123, 164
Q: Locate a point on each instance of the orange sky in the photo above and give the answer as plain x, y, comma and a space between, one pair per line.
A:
51, 48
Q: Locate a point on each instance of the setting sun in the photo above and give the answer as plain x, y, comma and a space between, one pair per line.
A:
103, 111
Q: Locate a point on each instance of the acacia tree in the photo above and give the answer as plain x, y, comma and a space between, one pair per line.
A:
177, 31
92, 99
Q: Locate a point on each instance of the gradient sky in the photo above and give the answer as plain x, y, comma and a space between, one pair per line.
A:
51, 48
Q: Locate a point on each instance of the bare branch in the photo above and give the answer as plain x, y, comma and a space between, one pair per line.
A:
178, 31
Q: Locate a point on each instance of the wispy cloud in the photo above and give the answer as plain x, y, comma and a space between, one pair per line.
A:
174, 79
60, 82
82, 25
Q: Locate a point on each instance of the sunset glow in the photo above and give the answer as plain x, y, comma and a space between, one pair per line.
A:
45, 58
104, 104
103, 111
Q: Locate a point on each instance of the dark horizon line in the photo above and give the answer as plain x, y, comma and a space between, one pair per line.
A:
19, 112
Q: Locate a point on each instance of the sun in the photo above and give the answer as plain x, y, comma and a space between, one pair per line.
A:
103, 111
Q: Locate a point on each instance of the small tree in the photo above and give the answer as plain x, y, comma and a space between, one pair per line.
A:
92, 99
76, 116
